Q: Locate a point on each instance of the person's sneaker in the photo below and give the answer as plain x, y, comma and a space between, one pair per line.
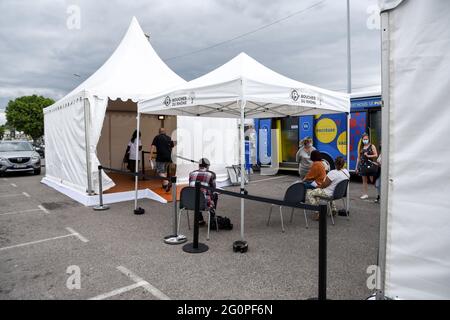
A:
364, 196
377, 200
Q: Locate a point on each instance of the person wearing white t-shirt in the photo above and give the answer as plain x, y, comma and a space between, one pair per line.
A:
326, 189
131, 149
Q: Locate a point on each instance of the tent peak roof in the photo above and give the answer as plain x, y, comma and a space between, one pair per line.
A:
133, 71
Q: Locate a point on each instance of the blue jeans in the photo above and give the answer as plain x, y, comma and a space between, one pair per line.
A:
308, 185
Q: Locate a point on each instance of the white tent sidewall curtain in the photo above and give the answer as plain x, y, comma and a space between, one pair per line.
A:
212, 138
417, 230
65, 129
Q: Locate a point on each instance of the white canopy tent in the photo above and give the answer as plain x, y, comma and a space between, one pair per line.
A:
74, 124
415, 223
244, 88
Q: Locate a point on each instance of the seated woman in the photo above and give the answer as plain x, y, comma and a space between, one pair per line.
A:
326, 190
316, 175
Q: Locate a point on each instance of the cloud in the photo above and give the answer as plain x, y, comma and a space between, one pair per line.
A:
42, 54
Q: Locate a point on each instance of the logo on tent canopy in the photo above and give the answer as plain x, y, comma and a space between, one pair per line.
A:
167, 101
294, 95
192, 96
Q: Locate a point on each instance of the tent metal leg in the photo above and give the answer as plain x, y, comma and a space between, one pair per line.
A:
137, 210
242, 143
347, 207
87, 130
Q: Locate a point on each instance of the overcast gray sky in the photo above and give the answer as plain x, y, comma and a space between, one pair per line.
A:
39, 54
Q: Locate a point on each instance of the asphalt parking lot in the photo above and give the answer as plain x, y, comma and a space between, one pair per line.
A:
45, 235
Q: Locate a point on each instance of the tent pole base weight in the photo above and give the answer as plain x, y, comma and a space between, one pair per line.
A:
101, 208
139, 211
189, 248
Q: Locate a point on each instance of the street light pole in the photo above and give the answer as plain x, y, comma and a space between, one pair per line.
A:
349, 59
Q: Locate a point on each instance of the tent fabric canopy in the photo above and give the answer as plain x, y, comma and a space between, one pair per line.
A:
73, 124
132, 72
244, 88
266, 93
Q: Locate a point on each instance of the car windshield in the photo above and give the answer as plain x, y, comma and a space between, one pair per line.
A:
15, 146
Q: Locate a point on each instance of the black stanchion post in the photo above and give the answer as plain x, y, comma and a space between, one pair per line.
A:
323, 252
175, 238
100, 207
196, 247
143, 164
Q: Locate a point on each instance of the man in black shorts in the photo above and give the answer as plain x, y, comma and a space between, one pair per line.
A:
163, 145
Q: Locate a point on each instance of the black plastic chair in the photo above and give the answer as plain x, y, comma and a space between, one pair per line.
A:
340, 192
295, 195
187, 202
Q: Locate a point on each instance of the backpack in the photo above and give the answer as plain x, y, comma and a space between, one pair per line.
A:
223, 222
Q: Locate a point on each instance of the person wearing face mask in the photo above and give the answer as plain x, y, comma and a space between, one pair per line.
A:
303, 157
367, 152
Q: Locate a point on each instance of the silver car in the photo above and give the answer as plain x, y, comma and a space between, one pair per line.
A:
19, 156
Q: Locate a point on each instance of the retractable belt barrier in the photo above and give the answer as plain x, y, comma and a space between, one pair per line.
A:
241, 245
196, 247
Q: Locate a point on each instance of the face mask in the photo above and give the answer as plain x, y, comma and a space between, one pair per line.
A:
365, 141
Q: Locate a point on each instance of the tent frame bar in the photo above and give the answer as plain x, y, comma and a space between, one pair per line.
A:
87, 130
385, 107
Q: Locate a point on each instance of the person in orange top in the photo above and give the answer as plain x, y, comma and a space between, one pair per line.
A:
316, 175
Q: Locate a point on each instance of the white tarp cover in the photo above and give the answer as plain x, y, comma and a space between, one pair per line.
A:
133, 71
266, 93
418, 214
64, 157
216, 139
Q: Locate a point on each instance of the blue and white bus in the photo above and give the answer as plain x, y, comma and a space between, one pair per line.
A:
329, 132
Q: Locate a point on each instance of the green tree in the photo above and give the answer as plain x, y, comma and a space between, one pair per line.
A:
2, 131
26, 114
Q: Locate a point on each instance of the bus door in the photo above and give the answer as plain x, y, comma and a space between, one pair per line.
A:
289, 139
264, 138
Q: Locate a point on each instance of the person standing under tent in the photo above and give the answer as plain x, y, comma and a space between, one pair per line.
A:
367, 152
131, 150
303, 156
162, 144
326, 189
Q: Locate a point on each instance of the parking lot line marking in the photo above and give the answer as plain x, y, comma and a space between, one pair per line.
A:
17, 212
35, 242
273, 178
118, 291
147, 286
10, 195
41, 207
14, 185
76, 234
26, 194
